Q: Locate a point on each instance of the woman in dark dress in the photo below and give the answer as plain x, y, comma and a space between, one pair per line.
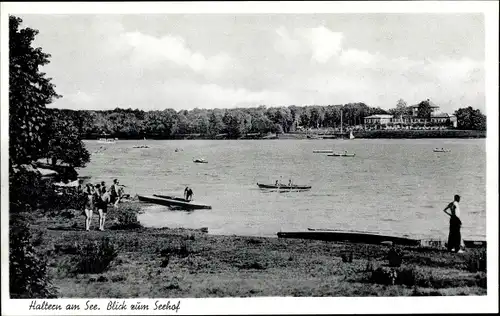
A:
454, 237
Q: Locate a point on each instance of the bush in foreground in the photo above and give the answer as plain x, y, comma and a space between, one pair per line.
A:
95, 256
125, 216
28, 270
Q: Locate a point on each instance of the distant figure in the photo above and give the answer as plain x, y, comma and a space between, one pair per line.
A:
290, 182
89, 205
454, 238
276, 184
188, 194
345, 152
103, 186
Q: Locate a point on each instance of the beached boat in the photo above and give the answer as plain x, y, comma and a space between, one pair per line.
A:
171, 197
200, 160
284, 187
436, 150
178, 202
349, 236
341, 155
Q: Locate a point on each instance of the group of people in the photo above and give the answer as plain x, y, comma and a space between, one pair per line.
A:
97, 198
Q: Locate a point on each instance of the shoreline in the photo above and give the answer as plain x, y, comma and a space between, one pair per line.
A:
373, 134
191, 263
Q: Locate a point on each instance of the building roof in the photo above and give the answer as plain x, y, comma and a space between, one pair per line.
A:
432, 104
379, 116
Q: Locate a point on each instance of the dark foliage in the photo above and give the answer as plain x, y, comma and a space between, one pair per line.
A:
27, 269
95, 256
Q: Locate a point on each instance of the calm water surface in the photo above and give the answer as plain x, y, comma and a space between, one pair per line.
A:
391, 186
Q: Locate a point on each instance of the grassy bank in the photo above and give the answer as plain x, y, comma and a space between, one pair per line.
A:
143, 262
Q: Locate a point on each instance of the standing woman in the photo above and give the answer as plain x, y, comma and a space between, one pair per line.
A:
103, 208
89, 205
455, 237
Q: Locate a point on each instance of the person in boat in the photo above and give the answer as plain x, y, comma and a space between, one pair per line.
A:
276, 184
289, 182
454, 237
89, 204
345, 152
188, 194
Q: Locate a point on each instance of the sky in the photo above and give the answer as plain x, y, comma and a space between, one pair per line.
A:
186, 61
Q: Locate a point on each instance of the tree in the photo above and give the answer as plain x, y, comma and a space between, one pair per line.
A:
64, 144
401, 108
424, 110
470, 118
29, 93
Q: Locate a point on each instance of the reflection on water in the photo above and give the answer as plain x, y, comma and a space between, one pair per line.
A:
390, 186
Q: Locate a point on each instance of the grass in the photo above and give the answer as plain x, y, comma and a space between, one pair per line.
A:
189, 263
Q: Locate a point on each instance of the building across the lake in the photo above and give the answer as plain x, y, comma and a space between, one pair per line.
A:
437, 118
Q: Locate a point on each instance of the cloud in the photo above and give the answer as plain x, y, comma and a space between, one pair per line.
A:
320, 42
151, 51
324, 43
356, 57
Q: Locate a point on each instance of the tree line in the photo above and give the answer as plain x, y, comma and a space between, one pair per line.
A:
236, 123
233, 123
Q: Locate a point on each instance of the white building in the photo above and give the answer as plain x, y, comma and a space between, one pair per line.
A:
381, 119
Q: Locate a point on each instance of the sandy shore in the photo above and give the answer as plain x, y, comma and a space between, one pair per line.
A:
191, 263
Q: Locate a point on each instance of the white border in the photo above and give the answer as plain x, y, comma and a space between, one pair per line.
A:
483, 304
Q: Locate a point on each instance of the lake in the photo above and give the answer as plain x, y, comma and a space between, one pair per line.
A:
394, 186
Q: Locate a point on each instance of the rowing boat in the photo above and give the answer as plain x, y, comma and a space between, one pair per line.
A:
178, 203
347, 236
442, 150
323, 151
342, 155
200, 161
284, 187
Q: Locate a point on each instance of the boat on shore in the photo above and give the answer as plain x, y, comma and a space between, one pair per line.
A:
365, 237
177, 202
341, 155
284, 187
349, 236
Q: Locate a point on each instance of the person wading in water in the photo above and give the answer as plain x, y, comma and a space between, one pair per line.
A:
454, 238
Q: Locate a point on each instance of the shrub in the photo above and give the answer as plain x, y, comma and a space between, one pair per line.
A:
95, 257
27, 270
395, 257
126, 216
181, 250
477, 262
